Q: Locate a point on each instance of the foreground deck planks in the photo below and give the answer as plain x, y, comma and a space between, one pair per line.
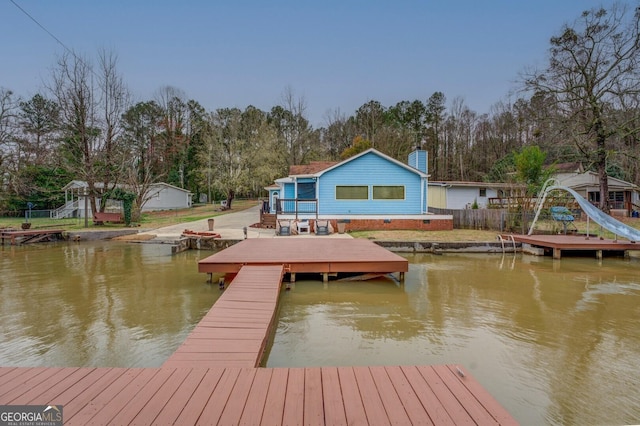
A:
320, 396
235, 331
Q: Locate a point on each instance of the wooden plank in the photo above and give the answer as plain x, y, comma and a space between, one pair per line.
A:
23, 383
106, 396
353, 406
294, 399
274, 406
199, 398
370, 397
235, 406
15, 377
257, 397
392, 404
155, 411
485, 398
334, 413
54, 386
437, 413
416, 412
219, 397
447, 399
313, 403
124, 414
77, 397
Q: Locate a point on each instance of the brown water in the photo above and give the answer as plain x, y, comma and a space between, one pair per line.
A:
555, 342
101, 304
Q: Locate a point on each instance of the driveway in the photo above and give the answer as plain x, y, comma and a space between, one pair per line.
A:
230, 226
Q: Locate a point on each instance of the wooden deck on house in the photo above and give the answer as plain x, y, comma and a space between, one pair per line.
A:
211, 379
305, 255
30, 236
235, 331
558, 243
444, 394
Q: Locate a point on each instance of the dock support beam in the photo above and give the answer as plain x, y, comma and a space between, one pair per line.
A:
557, 253
292, 277
599, 254
325, 277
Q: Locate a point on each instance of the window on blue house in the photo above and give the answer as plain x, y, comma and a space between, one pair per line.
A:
307, 191
352, 192
388, 192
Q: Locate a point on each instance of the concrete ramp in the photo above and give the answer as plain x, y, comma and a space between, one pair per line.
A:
607, 222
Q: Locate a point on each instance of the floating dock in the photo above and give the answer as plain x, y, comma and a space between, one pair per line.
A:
307, 255
30, 236
558, 243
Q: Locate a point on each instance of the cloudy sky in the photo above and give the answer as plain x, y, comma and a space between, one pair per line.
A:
335, 54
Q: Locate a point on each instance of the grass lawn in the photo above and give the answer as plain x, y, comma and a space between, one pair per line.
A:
156, 219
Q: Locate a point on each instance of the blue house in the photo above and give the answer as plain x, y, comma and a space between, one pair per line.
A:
367, 191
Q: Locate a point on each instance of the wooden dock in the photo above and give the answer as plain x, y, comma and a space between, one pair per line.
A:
254, 396
558, 243
30, 235
212, 379
235, 332
307, 255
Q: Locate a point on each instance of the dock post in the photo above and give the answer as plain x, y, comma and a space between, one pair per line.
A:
599, 254
557, 253
401, 277
292, 277
325, 277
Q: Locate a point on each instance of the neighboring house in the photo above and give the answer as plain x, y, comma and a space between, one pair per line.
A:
624, 197
160, 196
367, 191
456, 195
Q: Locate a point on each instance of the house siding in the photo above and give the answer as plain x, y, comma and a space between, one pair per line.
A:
289, 190
461, 198
167, 198
369, 170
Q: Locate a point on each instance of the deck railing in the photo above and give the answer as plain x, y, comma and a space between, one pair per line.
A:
297, 206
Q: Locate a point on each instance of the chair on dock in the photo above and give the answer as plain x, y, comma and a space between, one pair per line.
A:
563, 215
284, 227
322, 227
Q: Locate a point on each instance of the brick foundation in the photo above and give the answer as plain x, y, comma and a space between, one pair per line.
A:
395, 224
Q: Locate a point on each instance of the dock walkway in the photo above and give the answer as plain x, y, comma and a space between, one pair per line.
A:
234, 333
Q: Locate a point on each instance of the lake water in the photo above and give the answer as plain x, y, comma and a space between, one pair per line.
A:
555, 342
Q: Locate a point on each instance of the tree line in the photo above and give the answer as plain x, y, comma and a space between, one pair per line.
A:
582, 107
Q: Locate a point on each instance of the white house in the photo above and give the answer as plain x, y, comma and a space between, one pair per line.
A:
457, 195
160, 196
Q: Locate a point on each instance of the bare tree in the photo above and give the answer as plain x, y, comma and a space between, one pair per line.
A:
593, 73
113, 103
8, 115
91, 105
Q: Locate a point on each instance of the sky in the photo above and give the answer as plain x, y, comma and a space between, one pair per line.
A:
336, 54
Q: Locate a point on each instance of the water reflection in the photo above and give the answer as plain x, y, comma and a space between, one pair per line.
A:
556, 342
97, 304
